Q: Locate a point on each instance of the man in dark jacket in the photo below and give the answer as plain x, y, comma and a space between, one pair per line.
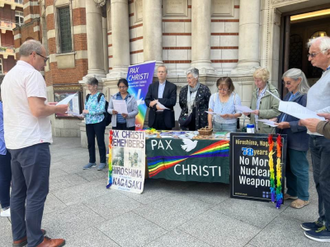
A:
161, 98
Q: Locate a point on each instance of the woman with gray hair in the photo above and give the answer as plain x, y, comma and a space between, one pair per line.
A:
95, 125
297, 166
193, 100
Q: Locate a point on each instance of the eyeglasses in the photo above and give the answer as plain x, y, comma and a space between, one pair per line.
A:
312, 54
45, 58
122, 87
223, 89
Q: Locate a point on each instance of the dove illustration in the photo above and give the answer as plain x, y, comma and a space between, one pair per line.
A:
139, 101
188, 145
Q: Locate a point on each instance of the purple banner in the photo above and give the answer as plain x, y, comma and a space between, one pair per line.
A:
139, 78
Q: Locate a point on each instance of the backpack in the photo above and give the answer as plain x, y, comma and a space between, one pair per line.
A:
107, 115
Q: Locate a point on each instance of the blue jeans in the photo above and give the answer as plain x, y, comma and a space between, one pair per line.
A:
297, 179
320, 151
5, 178
222, 127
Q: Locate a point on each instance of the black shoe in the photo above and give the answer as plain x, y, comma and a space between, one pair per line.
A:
320, 235
311, 226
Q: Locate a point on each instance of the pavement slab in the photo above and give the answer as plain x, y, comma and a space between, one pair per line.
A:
172, 211
130, 229
217, 229
177, 238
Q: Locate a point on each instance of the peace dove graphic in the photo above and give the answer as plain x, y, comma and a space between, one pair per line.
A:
188, 145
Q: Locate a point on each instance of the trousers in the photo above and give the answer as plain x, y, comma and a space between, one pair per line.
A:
30, 185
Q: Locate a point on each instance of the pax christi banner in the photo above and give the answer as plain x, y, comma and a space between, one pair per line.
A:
139, 78
126, 160
188, 160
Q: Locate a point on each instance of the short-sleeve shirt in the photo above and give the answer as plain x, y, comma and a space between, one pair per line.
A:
224, 108
21, 128
96, 109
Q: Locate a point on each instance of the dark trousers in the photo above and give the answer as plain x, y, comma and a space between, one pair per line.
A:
123, 126
5, 178
97, 130
30, 185
159, 123
320, 151
297, 174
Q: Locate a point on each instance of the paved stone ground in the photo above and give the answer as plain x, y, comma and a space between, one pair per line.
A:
80, 209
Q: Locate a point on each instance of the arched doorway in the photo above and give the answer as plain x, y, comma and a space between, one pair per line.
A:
297, 29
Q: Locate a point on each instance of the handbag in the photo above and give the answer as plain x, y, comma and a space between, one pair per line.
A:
185, 120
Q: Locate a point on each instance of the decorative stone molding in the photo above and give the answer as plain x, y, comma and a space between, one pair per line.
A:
280, 3
222, 8
138, 6
109, 28
175, 8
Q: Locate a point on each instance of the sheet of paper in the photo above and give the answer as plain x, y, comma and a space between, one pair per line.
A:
243, 108
296, 110
66, 100
267, 122
211, 112
120, 106
273, 95
162, 107
75, 114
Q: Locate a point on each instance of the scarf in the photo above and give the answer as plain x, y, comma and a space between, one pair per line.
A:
191, 96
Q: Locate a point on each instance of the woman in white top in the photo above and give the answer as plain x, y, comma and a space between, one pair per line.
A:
223, 104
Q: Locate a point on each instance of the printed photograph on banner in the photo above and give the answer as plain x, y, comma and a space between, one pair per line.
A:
117, 156
128, 160
133, 157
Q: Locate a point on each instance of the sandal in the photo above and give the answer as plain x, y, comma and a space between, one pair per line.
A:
287, 197
299, 204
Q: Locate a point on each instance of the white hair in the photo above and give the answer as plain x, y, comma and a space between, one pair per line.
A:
324, 43
295, 74
194, 72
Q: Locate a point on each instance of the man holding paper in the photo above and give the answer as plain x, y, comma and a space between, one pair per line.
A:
28, 133
318, 98
317, 125
161, 98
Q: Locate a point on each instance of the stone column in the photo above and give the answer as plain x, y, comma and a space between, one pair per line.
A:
249, 21
152, 31
201, 36
94, 40
105, 45
120, 39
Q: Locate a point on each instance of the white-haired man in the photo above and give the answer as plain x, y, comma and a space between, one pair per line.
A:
318, 99
28, 135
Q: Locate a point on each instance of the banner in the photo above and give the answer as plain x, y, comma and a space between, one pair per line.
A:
250, 170
188, 160
139, 78
127, 160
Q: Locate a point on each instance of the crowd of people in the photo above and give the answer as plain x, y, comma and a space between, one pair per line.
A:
26, 134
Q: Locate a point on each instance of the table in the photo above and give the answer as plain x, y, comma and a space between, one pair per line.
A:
188, 159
